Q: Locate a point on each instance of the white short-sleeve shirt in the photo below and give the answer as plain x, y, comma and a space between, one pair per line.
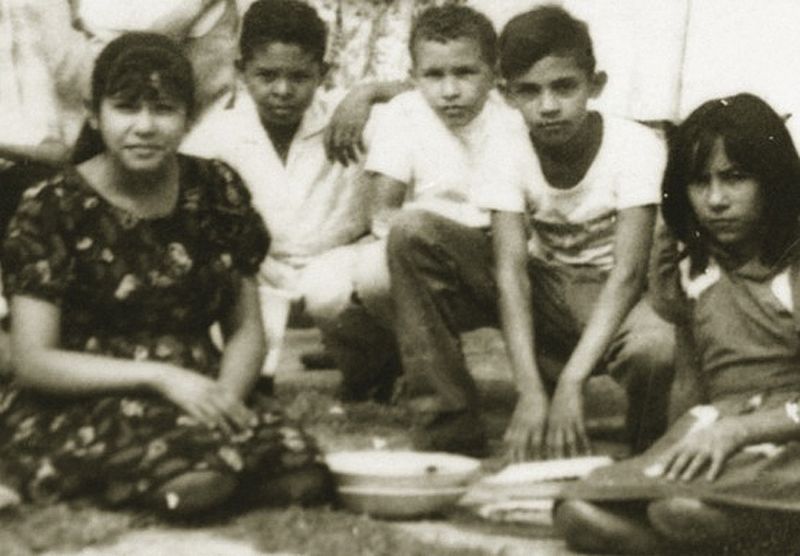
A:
310, 205
576, 226
442, 167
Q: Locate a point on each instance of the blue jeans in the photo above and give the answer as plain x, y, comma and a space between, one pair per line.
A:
443, 284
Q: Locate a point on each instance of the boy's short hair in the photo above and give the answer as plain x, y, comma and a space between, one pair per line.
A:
286, 21
541, 32
452, 22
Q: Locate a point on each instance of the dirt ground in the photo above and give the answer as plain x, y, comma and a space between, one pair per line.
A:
78, 529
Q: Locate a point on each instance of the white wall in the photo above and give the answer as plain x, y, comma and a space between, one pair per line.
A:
665, 57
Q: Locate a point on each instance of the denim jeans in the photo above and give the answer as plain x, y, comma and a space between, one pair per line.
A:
443, 284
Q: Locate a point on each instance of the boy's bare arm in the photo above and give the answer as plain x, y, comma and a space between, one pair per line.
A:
622, 290
666, 295
386, 199
526, 431
344, 139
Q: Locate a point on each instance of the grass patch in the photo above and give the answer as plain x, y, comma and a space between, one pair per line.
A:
324, 531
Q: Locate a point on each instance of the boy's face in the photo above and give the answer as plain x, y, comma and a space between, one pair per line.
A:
282, 79
552, 96
453, 77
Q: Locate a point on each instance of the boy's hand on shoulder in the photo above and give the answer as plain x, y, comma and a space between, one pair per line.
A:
566, 429
344, 136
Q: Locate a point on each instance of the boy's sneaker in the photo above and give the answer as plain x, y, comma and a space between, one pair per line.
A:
318, 360
460, 432
265, 385
380, 388
381, 392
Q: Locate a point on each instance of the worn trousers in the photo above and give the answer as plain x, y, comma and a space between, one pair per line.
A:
443, 284
346, 293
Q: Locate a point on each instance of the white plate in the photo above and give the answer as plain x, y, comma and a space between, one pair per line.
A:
548, 470
401, 464
402, 492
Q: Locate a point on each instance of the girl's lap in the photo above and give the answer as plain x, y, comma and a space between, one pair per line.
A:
122, 448
759, 477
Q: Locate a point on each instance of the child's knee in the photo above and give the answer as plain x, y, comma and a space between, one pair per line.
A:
647, 357
574, 520
327, 288
688, 520
194, 492
410, 229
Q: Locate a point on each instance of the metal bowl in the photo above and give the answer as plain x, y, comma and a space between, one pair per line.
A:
401, 484
402, 503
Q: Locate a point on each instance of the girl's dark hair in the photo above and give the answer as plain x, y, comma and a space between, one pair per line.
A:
143, 65
757, 141
285, 21
137, 66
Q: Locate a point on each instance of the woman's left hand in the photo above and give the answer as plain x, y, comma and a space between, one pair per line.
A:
708, 447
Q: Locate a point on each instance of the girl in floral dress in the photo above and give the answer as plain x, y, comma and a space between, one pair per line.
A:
116, 269
725, 476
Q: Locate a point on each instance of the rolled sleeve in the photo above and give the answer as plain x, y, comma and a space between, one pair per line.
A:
390, 144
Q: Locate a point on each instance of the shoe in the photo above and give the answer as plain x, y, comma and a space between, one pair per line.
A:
380, 392
317, 360
383, 388
460, 432
265, 385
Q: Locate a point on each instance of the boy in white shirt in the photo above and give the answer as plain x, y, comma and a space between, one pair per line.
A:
570, 299
433, 146
272, 132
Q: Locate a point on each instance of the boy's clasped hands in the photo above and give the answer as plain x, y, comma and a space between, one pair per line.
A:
543, 428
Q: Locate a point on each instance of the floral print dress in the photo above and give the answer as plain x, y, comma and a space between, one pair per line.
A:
141, 289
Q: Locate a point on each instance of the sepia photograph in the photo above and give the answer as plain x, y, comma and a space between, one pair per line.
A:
399, 277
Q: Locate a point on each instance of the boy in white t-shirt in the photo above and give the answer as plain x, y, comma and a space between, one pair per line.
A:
433, 147
570, 298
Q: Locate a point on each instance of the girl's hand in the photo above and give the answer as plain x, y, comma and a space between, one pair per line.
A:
707, 447
566, 431
205, 400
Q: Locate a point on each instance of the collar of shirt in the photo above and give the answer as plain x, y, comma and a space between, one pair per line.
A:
315, 119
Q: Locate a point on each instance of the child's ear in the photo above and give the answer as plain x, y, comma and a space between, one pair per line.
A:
91, 115
598, 83
324, 69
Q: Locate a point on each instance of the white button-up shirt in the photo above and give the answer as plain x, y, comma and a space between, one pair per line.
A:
309, 204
